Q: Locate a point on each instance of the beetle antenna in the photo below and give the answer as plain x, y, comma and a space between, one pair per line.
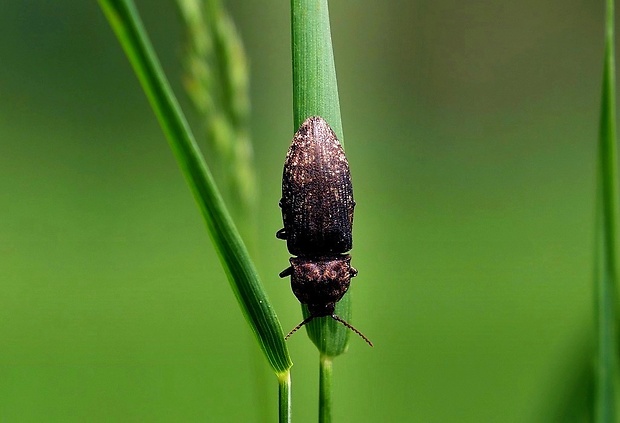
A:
338, 319
296, 328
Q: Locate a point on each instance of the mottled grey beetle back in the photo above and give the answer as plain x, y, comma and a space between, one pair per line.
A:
317, 195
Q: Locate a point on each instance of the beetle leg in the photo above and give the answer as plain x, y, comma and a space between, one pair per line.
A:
286, 272
353, 272
281, 234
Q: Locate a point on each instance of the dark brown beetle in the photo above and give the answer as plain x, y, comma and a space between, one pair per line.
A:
317, 210
317, 195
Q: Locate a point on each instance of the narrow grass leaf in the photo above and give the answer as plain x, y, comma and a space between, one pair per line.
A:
315, 93
243, 278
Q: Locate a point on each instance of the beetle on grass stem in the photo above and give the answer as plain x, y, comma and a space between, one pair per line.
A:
317, 210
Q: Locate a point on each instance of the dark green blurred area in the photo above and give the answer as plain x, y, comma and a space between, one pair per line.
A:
471, 132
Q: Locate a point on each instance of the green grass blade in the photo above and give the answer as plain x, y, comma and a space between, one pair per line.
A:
243, 278
606, 231
315, 92
315, 89
216, 80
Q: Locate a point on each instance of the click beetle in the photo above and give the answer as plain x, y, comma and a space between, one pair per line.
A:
317, 210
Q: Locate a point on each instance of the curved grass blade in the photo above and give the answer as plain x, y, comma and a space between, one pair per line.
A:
216, 80
243, 278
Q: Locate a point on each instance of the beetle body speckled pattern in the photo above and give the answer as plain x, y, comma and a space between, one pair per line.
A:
320, 282
317, 194
317, 210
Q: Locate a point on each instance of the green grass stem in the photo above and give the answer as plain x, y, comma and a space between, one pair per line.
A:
325, 389
123, 17
606, 234
315, 92
284, 394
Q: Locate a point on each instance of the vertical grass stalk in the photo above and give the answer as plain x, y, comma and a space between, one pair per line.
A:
284, 397
325, 389
315, 92
244, 281
606, 238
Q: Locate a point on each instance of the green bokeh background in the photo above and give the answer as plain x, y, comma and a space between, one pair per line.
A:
471, 132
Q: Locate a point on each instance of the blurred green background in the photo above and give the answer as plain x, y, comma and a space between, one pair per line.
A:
471, 132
